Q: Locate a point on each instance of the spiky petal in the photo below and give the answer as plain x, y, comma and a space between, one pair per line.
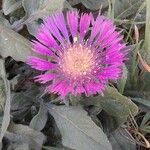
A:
82, 53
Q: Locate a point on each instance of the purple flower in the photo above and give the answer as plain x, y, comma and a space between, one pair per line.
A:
81, 53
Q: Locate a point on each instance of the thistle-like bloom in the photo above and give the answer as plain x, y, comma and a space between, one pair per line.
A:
81, 53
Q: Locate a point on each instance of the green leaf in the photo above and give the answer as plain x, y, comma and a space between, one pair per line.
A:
54, 148
24, 134
134, 65
20, 105
11, 5
6, 116
36, 9
2, 95
121, 140
94, 4
125, 8
115, 104
111, 7
3, 20
32, 27
147, 30
22, 147
38, 122
145, 124
22, 102
144, 102
146, 129
74, 2
122, 81
14, 45
77, 129
145, 119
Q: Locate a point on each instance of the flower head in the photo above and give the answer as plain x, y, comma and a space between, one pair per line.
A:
82, 53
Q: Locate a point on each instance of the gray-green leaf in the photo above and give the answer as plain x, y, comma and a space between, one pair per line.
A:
125, 8
121, 140
6, 116
114, 103
122, 81
38, 122
36, 9
95, 4
24, 134
11, 5
22, 147
78, 130
14, 45
145, 125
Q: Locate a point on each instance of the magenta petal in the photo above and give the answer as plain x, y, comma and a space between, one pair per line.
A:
41, 49
50, 25
46, 38
79, 89
82, 53
61, 25
60, 87
72, 19
93, 88
41, 64
45, 78
95, 29
107, 26
85, 21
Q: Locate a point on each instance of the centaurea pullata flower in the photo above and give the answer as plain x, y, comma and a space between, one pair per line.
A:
81, 53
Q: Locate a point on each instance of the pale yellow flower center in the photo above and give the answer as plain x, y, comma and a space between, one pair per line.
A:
77, 61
